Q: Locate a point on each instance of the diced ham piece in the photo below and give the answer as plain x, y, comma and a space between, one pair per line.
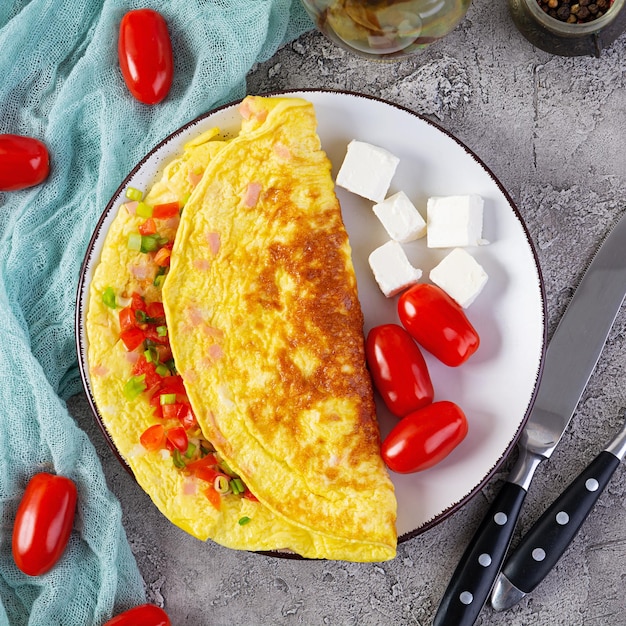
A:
282, 151
247, 112
213, 239
132, 357
215, 352
195, 315
251, 197
141, 272
194, 178
190, 488
100, 370
202, 264
131, 207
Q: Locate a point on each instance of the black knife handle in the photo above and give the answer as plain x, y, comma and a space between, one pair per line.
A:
479, 566
547, 540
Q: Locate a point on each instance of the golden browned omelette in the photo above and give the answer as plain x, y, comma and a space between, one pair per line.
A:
279, 447
266, 330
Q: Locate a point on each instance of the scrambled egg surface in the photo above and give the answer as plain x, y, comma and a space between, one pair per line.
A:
266, 331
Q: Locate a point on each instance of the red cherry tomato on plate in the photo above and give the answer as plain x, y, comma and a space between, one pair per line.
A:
143, 615
43, 523
24, 162
398, 369
438, 323
145, 55
424, 437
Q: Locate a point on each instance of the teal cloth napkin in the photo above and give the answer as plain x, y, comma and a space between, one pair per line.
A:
60, 82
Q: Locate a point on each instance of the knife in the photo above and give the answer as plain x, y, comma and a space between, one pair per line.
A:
570, 359
547, 540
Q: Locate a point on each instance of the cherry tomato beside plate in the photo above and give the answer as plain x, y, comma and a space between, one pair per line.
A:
398, 369
438, 323
24, 162
145, 55
424, 437
143, 615
43, 523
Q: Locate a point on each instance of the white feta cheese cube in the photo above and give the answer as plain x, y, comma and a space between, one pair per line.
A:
392, 270
401, 219
460, 275
367, 170
454, 221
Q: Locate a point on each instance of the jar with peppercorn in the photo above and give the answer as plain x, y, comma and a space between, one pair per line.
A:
570, 27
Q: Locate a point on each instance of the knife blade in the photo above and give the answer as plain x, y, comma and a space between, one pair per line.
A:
569, 361
544, 544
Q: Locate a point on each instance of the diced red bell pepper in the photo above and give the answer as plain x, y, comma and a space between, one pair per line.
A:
127, 318
172, 411
165, 210
187, 418
214, 497
162, 257
143, 367
178, 438
132, 338
210, 460
137, 303
173, 384
148, 227
155, 310
153, 438
153, 334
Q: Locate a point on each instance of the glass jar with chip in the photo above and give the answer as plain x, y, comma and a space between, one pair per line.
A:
386, 29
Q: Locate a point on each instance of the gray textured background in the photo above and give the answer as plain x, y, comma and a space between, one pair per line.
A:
553, 130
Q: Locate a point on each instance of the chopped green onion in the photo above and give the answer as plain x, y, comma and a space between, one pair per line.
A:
221, 484
134, 386
162, 370
108, 297
191, 448
143, 210
134, 194
185, 199
161, 331
152, 356
159, 279
239, 483
134, 242
167, 398
149, 243
244, 520
177, 458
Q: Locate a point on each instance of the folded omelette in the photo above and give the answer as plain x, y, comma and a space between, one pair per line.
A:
226, 347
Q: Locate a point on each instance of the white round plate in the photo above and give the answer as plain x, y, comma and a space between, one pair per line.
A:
497, 386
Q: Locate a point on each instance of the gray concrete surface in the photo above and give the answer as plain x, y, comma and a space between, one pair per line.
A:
553, 130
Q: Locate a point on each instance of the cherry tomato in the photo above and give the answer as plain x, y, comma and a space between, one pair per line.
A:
24, 162
145, 55
438, 323
143, 615
398, 369
424, 437
43, 523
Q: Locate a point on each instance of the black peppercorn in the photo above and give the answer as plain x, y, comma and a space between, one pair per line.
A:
578, 12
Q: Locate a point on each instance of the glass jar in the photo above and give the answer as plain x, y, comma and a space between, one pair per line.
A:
386, 29
552, 35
